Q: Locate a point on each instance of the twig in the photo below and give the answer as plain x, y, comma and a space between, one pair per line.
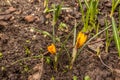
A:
104, 63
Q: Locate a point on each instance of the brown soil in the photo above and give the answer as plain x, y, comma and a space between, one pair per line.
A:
18, 41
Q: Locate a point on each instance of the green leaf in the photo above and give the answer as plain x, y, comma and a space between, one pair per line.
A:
86, 78
116, 36
75, 78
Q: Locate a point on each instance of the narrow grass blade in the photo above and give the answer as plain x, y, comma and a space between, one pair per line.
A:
45, 33
116, 36
87, 4
115, 3
56, 13
119, 18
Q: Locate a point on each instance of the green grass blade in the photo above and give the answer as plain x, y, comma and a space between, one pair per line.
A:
56, 13
87, 4
45, 33
116, 36
119, 19
115, 3
82, 11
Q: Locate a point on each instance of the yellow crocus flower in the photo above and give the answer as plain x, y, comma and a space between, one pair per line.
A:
81, 38
52, 49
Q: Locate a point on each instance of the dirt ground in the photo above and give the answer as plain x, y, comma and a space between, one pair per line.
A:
19, 41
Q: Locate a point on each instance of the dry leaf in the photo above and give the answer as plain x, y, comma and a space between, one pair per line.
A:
38, 69
97, 44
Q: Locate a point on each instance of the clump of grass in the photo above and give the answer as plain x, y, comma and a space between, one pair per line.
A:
90, 16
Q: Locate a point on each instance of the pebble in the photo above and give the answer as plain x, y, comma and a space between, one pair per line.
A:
29, 18
42, 19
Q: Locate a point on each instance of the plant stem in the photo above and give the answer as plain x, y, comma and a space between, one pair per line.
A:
74, 49
73, 57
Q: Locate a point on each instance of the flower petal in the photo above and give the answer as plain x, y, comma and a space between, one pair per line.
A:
81, 38
52, 49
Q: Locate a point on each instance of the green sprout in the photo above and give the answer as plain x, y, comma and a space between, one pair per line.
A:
53, 78
56, 13
27, 50
48, 60
62, 26
87, 78
26, 68
75, 78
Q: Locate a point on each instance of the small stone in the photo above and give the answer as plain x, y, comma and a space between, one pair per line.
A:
29, 18
32, 30
66, 18
42, 19
48, 16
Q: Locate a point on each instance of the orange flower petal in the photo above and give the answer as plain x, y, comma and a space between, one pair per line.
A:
81, 39
52, 49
